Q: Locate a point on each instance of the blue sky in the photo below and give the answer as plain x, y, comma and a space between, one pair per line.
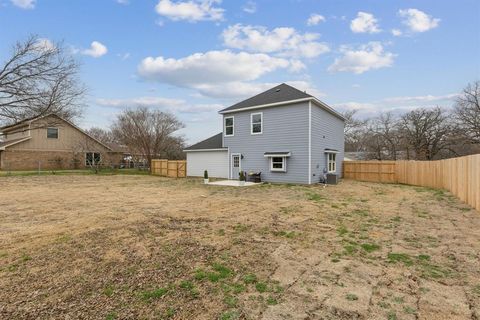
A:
193, 57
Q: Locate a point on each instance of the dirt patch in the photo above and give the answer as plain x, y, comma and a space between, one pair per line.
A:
129, 247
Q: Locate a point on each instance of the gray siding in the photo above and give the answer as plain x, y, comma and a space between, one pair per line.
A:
327, 132
285, 128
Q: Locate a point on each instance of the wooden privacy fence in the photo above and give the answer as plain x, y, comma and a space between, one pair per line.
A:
169, 168
461, 176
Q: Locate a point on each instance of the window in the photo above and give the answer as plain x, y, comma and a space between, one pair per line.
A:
256, 123
236, 161
229, 126
332, 165
92, 158
52, 133
278, 164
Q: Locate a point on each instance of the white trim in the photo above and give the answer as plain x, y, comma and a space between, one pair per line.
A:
239, 163
251, 123
334, 162
332, 151
310, 142
201, 150
283, 155
225, 127
14, 143
318, 102
284, 164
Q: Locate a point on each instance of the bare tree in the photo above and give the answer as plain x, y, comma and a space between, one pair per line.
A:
148, 133
354, 131
388, 135
467, 112
428, 132
39, 78
102, 135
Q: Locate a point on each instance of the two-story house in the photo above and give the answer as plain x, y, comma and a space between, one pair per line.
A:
50, 142
284, 133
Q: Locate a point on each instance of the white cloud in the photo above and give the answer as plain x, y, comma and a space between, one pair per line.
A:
212, 67
398, 104
364, 23
168, 104
24, 4
367, 57
284, 41
124, 56
96, 50
192, 10
241, 90
421, 99
315, 19
397, 32
250, 7
124, 2
418, 21
44, 44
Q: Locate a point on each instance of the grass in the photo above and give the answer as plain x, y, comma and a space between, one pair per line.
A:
74, 172
400, 257
250, 278
261, 287
351, 297
108, 290
370, 247
150, 295
230, 315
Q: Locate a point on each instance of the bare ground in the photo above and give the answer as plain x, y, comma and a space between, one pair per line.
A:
142, 247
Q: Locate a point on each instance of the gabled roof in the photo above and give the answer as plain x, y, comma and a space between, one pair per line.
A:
280, 93
212, 143
33, 119
12, 142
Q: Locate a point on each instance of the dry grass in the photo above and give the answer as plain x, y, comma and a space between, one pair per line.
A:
130, 247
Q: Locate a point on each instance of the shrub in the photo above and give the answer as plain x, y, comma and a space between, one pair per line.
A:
205, 174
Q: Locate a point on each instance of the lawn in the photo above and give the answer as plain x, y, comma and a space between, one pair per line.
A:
144, 247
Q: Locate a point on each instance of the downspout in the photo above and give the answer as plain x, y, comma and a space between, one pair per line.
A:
310, 142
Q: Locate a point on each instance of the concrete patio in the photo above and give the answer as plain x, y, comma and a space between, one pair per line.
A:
232, 183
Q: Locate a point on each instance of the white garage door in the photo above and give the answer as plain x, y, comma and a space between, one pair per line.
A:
216, 162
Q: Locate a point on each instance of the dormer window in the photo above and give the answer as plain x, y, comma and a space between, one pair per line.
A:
256, 123
52, 133
229, 126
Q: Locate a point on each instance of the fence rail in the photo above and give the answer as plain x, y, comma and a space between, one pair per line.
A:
461, 176
169, 168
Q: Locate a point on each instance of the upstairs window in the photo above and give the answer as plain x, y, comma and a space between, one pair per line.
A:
229, 130
332, 165
256, 123
52, 133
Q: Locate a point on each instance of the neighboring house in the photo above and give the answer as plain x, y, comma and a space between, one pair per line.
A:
284, 133
50, 142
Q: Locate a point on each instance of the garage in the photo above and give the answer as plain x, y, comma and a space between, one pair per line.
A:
208, 155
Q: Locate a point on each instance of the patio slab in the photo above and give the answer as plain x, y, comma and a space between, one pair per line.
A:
232, 183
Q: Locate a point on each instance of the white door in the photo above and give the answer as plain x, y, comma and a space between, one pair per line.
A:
236, 166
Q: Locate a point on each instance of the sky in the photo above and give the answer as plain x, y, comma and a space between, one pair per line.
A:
195, 57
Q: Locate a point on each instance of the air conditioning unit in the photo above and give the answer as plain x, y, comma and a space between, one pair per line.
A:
332, 178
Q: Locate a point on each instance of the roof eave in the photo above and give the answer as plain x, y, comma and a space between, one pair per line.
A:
318, 102
225, 111
211, 149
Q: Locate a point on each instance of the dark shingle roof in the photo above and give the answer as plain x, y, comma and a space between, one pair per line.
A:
214, 142
280, 93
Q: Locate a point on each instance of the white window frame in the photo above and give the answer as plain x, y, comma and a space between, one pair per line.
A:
332, 162
251, 123
58, 132
284, 165
225, 126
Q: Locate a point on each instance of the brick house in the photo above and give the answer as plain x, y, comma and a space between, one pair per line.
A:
51, 142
